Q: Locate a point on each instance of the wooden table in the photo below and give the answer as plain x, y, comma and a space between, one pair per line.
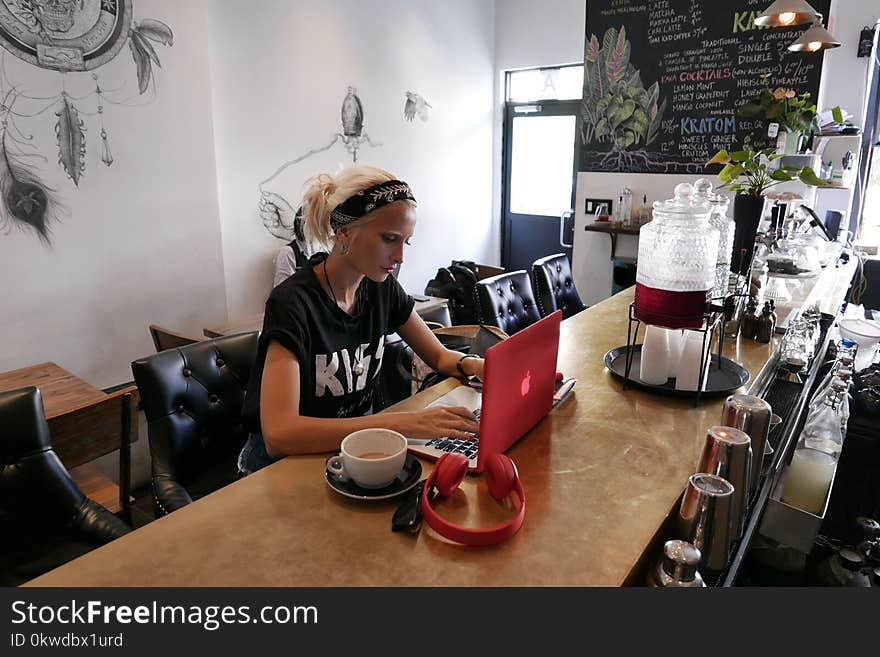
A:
255, 322
76, 412
602, 473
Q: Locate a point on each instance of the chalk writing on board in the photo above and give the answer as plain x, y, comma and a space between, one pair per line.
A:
664, 80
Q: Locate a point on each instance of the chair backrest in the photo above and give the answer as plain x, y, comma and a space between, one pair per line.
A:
164, 339
437, 315
507, 301
192, 398
34, 484
554, 286
23, 429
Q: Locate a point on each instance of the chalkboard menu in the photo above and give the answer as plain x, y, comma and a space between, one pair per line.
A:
663, 80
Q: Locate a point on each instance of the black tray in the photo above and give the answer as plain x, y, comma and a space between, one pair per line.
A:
721, 381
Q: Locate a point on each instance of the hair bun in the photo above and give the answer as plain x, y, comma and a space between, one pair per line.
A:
326, 184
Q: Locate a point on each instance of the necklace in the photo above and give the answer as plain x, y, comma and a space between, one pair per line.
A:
358, 368
329, 284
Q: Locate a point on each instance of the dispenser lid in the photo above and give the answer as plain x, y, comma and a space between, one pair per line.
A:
703, 192
685, 203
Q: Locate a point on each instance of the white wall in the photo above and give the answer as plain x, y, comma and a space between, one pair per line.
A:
844, 75
529, 34
279, 78
141, 242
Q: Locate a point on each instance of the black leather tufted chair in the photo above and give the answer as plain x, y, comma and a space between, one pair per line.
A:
192, 398
507, 301
45, 519
554, 286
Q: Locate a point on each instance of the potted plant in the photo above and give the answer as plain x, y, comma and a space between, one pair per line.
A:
795, 113
749, 175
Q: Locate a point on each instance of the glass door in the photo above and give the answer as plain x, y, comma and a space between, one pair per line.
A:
539, 167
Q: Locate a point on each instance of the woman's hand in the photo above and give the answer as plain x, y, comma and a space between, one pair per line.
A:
439, 422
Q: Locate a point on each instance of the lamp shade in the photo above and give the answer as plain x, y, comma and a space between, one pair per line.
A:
784, 13
815, 39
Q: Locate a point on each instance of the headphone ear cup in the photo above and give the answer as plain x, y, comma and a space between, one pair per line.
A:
500, 475
451, 469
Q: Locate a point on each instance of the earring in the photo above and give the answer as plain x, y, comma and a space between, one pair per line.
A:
345, 249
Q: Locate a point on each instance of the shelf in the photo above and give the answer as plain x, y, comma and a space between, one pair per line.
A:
606, 227
612, 231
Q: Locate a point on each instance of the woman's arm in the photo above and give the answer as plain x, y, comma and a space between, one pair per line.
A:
423, 341
285, 431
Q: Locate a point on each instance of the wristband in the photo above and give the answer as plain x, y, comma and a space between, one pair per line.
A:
460, 368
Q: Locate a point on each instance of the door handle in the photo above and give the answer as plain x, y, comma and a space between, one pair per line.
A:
562, 218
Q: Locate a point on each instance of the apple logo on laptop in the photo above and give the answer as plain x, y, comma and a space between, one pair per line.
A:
526, 384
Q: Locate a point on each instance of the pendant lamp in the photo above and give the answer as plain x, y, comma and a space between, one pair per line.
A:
814, 39
785, 13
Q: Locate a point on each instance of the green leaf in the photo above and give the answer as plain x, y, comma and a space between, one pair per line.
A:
781, 176
730, 172
620, 112
809, 177
721, 157
774, 156
739, 156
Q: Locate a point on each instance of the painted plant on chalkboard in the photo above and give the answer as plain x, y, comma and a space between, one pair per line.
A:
617, 108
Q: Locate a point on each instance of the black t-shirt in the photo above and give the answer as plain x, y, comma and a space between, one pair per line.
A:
339, 356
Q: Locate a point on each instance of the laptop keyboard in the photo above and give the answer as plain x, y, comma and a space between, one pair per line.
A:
466, 446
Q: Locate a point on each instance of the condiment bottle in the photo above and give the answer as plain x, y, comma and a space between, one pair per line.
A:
766, 325
748, 328
644, 211
625, 207
678, 568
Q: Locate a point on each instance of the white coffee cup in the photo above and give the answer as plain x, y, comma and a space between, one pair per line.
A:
372, 458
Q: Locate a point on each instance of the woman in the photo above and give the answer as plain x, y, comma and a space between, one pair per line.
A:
324, 329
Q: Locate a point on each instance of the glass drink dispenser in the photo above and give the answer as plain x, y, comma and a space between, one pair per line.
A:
678, 254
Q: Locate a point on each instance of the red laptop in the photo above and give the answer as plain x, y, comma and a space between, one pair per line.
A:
519, 380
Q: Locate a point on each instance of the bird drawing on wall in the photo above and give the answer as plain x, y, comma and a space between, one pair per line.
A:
278, 213
415, 106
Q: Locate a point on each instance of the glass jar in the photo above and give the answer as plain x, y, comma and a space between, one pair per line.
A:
719, 220
676, 265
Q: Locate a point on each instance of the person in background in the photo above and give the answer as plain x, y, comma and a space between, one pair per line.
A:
280, 219
324, 328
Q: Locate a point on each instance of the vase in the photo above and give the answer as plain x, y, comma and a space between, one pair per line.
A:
747, 211
793, 141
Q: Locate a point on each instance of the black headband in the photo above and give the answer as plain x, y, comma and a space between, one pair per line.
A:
372, 198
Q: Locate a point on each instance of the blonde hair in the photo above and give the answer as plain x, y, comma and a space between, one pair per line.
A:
325, 192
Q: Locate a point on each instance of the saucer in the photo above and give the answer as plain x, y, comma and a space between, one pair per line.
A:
407, 478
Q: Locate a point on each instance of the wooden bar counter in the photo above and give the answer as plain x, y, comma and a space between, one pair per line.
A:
602, 473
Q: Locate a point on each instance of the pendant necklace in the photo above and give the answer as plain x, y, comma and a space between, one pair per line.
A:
358, 368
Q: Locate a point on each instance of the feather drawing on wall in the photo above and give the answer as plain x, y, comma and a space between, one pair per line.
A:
73, 38
415, 106
276, 211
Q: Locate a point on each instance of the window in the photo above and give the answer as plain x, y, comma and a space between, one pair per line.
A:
556, 83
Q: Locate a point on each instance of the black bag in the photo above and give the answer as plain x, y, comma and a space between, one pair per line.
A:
456, 283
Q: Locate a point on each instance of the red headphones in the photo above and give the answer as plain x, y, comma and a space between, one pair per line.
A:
502, 478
